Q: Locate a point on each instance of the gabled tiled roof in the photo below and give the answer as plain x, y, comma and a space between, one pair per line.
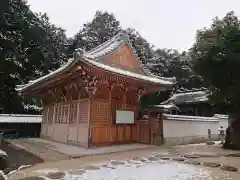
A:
113, 45
187, 97
92, 58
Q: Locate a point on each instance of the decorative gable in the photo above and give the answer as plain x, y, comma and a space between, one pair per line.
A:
123, 58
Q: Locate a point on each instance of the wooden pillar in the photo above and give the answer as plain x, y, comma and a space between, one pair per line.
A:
69, 112
110, 87
89, 123
54, 114
91, 92
125, 98
137, 110
150, 127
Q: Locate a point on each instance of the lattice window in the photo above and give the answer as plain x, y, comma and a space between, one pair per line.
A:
73, 113
58, 114
83, 111
64, 114
100, 112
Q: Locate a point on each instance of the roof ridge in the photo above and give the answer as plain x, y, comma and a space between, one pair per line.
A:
118, 36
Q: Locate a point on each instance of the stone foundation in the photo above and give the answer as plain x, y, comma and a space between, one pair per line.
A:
73, 143
189, 139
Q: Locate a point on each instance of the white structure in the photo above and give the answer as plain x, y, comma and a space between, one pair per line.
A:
20, 118
178, 129
187, 97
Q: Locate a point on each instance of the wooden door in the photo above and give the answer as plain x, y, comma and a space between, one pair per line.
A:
143, 131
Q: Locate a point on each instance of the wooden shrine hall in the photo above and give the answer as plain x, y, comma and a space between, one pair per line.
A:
93, 99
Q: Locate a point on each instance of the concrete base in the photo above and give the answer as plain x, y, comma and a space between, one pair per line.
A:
189, 140
76, 151
158, 140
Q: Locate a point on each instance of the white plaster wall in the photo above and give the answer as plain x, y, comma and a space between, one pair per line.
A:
223, 122
179, 126
182, 128
20, 118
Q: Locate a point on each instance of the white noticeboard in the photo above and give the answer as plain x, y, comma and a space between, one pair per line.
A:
124, 117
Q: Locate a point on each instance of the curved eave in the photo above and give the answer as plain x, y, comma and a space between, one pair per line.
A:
166, 82
31, 84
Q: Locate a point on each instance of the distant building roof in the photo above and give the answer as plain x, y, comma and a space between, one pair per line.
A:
189, 118
167, 107
20, 118
187, 97
32, 107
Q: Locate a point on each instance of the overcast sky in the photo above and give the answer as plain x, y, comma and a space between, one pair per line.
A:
164, 23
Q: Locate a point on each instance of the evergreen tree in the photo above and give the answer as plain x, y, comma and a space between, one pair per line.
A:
29, 47
103, 27
142, 47
216, 57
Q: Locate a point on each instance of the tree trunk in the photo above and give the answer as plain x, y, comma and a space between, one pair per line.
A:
232, 140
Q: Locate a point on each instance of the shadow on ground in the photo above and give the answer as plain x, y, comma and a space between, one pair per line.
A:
18, 156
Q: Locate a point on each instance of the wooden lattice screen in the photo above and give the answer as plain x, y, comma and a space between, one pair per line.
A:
73, 113
62, 113
83, 111
100, 112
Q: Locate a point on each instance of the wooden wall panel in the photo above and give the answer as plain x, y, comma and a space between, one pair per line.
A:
143, 132
128, 132
112, 134
103, 131
99, 134
134, 133
120, 134
73, 133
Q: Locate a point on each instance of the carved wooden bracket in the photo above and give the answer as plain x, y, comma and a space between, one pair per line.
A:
89, 82
140, 92
91, 90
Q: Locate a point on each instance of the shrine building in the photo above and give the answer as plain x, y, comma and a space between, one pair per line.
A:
93, 99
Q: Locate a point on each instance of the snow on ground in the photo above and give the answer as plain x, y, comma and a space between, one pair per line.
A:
164, 170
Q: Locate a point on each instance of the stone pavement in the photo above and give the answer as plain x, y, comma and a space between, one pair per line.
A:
74, 151
140, 164
197, 158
